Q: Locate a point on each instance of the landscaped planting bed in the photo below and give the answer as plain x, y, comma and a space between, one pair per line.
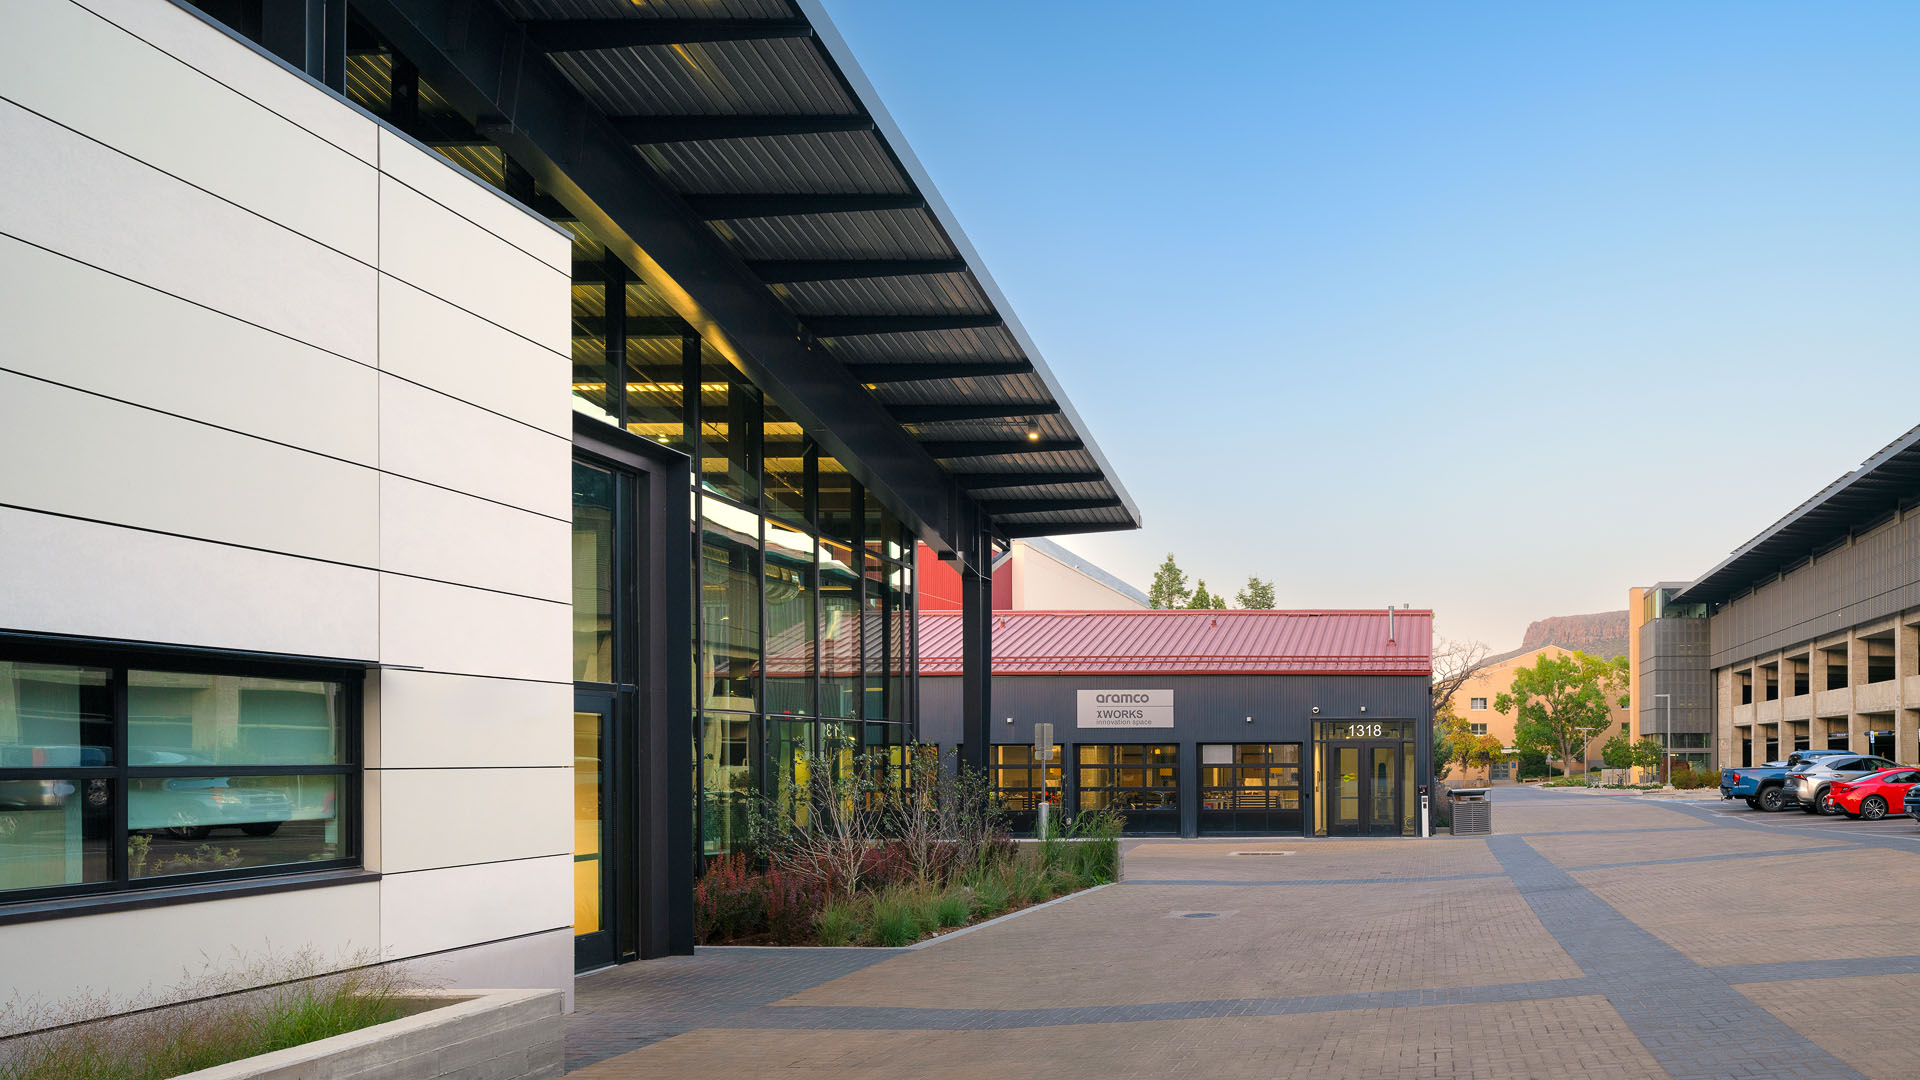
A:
865, 856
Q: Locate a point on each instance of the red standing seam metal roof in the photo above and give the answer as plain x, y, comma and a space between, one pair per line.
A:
1190, 643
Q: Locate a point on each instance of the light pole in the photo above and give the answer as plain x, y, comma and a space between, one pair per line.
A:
1666, 737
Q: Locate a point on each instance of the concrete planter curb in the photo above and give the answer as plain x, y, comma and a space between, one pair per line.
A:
474, 1035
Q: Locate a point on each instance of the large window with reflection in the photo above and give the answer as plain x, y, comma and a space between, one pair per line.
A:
117, 777
729, 606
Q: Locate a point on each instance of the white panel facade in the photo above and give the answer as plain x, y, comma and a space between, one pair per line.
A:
152, 107
151, 949
153, 471
429, 246
425, 340
464, 722
256, 476
65, 576
199, 44
433, 818
191, 361
434, 910
108, 210
431, 532
464, 631
426, 435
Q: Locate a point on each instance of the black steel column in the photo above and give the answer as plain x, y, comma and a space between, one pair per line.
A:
976, 648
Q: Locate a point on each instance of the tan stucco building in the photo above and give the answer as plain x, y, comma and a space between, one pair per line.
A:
1473, 702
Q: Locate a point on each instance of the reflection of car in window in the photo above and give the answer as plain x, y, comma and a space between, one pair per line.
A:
192, 807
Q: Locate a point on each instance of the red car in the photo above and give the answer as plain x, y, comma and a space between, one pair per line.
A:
1875, 795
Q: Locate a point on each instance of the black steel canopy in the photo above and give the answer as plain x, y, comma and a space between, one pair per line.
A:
1881, 486
735, 155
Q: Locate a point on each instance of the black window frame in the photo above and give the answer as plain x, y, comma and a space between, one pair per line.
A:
1040, 776
119, 659
1107, 760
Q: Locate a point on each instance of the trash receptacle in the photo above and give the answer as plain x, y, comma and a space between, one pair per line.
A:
1472, 810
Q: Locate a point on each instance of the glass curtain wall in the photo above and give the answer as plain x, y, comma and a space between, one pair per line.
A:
805, 634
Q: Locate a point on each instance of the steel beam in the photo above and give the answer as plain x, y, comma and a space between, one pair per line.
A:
999, 507
726, 207
593, 35
670, 129
831, 326
988, 448
481, 60
942, 414
900, 373
979, 481
788, 270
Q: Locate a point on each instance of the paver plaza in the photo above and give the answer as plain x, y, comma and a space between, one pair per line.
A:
1592, 936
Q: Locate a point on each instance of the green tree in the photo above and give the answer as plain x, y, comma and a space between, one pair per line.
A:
1449, 732
1454, 743
1563, 702
1204, 600
1617, 753
1647, 753
1169, 588
1256, 596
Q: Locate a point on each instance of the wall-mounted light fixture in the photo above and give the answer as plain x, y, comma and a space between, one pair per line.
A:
1316, 710
1363, 708
1009, 719
1249, 719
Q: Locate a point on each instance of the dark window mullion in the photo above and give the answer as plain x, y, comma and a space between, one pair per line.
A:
117, 827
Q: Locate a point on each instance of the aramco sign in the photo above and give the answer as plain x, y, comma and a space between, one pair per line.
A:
1126, 708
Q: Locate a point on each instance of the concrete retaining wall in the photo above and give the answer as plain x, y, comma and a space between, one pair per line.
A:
480, 1035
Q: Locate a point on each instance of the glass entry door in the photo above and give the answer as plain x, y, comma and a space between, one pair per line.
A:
1362, 789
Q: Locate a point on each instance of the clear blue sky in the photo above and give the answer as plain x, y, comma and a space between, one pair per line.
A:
1494, 308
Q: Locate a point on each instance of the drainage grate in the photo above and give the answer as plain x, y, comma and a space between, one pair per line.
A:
1259, 852
1201, 915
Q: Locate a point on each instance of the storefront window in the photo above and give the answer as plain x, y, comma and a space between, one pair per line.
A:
838, 501
1128, 777
839, 632
790, 621
656, 385
727, 786
729, 433
1021, 780
729, 607
784, 457
873, 638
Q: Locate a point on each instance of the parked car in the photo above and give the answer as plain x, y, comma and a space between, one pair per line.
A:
1764, 786
1811, 784
1875, 795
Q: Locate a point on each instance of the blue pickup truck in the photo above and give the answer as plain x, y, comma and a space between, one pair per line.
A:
1763, 786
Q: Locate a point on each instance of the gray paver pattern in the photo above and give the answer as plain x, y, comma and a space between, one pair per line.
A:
1594, 936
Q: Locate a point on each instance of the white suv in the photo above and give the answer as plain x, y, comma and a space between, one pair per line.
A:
1809, 782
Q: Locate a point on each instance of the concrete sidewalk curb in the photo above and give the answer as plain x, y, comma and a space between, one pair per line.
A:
965, 930
936, 939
